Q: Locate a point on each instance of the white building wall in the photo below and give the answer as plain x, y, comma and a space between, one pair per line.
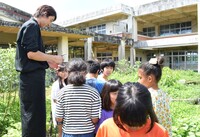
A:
109, 28
119, 27
113, 27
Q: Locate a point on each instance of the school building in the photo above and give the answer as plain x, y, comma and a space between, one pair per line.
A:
167, 27
56, 39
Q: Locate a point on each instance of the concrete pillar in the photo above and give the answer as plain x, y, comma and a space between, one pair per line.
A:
157, 30
198, 18
95, 52
88, 49
85, 50
63, 47
121, 50
132, 27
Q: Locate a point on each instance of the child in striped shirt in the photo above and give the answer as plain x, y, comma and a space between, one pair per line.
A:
78, 105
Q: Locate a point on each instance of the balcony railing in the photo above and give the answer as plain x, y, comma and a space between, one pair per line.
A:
112, 39
110, 10
159, 42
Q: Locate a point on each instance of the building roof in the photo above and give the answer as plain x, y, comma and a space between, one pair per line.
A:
12, 18
152, 13
115, 12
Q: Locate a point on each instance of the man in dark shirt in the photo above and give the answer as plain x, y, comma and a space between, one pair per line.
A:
31, 62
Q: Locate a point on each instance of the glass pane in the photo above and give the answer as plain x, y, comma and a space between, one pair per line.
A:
168, 62
99, 27
98, 54
195, 53
109, 54
151, 34
168, 53
173, 31
181, 53
144, 29
162, 27
177, 25
103, 26
188, 24
175, 62
175, 53
183, 24
182, 62
166, 27
103, 54
172, 26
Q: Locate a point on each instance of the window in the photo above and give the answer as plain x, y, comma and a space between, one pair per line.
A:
138, 59
179, 59
115, 58
83, 29
103, 55
101, 29
76, 52
149, 31
92, 29
176, 28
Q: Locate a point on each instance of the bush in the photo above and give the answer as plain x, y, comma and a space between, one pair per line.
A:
10, 123
124, 72
8, 76
9, 106
186, 121
185, 115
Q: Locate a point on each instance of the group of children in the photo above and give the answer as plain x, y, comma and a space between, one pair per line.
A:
88, 104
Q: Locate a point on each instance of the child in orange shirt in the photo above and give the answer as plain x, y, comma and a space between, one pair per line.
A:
133, 115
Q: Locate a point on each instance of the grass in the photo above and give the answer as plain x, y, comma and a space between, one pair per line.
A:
184, 113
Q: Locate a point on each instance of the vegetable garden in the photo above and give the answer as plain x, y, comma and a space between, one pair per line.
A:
182, 86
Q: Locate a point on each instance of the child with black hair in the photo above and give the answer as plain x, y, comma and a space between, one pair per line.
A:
91, 77
56, 86
133, 115
79, 105
149, 75
108, 97
107, 67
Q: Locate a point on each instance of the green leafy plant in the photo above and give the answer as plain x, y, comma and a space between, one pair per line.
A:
185, 114
8, 88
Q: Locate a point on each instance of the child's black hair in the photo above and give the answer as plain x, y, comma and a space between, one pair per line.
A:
77, 69
154, 66
107, 62
93, 66
62, 68
134, 107
110, 86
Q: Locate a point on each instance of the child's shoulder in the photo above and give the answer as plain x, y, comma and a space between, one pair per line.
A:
162, 92
159, 130
100, 77
109, 122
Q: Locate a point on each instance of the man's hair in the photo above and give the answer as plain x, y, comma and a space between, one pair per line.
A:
93, 66
45, 10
